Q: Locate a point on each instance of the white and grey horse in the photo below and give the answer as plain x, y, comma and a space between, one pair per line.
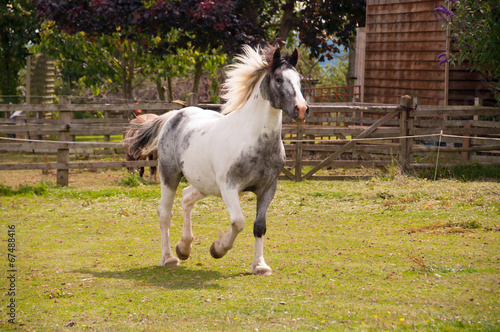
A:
227, 154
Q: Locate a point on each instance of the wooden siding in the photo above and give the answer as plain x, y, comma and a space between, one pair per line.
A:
403, 40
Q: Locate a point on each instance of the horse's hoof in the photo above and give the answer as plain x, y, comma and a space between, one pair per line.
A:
262, 270
214, 252
181, 255
169, 261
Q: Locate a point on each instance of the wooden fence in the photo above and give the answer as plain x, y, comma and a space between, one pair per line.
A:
390, 136
353, 135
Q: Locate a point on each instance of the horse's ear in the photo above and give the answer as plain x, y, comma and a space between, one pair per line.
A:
294, 59
277, 55
276, 60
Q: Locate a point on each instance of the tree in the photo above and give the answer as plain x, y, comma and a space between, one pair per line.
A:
205, 26
145, 28
474, 32
18, 29
108, 61
319, 25
315, 23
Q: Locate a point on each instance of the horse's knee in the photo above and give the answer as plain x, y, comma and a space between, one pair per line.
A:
238, 224
164, 214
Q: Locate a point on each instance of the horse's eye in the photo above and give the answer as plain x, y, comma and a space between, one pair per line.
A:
279, 80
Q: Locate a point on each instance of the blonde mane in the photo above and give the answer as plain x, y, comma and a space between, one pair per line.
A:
242, 76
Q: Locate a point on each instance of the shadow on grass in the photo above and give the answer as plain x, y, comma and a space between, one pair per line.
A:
176, 277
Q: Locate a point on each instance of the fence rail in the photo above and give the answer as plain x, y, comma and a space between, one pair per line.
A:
335, 136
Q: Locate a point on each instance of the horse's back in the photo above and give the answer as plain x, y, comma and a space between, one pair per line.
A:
185, 146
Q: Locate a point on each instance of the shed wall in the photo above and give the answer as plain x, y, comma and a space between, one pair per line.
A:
403, 40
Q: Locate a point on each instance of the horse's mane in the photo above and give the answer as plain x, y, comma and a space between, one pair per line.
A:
243, 75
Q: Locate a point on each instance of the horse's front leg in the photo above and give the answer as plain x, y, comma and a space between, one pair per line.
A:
190, 196
264, 199
225, 242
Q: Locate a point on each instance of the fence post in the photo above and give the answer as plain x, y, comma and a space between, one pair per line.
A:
406, 105
193, 99
298, 153
63, 135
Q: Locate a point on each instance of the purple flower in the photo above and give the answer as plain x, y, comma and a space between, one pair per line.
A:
443, 14
444, 56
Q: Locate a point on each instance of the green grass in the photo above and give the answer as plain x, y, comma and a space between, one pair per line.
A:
472, 172
98, 138
405, 254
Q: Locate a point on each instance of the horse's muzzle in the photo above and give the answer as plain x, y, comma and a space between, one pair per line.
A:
300, 112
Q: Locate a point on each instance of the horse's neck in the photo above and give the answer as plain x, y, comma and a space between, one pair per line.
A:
258, 116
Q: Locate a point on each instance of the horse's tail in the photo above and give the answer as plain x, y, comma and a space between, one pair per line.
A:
145, 139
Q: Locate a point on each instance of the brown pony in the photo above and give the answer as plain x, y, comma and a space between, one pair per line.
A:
153, 155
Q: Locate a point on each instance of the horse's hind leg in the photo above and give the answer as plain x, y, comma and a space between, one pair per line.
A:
165, 218
225, 242
190, 196
153, 156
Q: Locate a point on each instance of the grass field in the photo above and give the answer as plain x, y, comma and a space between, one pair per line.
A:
377, 255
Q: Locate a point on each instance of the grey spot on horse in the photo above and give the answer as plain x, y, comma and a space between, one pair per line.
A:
170, 175
184, 144
258, 166
176, 120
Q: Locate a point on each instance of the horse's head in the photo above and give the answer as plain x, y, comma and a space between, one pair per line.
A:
281, 86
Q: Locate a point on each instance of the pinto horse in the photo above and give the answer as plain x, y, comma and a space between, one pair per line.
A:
153, 155
227, 154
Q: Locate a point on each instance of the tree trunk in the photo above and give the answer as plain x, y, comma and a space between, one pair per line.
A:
198, 71
128, 72
160, 89
286, 24
170, 90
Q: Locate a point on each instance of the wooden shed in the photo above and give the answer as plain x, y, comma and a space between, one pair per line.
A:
402, 41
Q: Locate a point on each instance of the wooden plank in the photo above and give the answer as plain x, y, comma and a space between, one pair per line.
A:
63, 166
406, 46
383, 82
403, 55
55, 145
430, 148
372, 30
353, 108
90, 107
35, 129
404, 17
454, 111
98, 131
298, 153
456, 131
409, 66
288, 174
334, 131
62, 174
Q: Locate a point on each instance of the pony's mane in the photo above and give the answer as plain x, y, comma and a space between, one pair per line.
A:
243, 75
